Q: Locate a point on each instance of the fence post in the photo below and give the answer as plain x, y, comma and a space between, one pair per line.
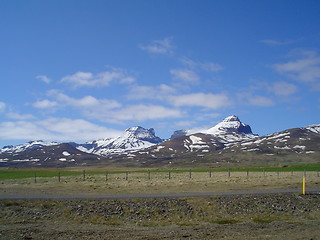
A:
84, 175
59, 176
304, 185
190, 174
169, 175
229, 174
209, 174
107, 175
35, 177
247, 172
126, 176
149, 177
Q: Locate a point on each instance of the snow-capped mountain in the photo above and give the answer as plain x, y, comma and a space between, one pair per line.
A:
304, 140
32, 145
227, 132
134, 138
230, 129
228, 142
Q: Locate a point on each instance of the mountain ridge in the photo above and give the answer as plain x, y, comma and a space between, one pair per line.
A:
228, 141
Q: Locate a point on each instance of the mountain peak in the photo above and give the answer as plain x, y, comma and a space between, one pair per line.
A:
231, 118
142, 134
231, 123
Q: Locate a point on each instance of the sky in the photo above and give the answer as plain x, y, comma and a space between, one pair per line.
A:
75, 70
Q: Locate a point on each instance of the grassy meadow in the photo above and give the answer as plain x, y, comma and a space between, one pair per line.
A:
122, 181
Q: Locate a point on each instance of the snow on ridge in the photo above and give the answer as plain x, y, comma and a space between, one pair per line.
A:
25, 146
196, 140
314, 128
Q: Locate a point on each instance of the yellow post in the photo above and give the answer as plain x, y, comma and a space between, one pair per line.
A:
304, 185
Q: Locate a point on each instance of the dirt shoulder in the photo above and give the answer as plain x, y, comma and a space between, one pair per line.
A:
272, 216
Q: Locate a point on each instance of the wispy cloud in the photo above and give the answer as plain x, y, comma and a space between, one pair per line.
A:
62, 100
163, 46
102, 79
282, 88
45, 104
160, 92
247, 98
2, 106
138, 112
272, 42
18, 116
304, 68
44, 79
205, 100
205, 66
54, 129
186, 75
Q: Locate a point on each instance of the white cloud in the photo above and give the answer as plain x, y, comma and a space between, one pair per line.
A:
43, 78
283, 88
150, 92
2, 107
255, 100
185, 75
206, 66
54, 129
211, 101
45, 104
272, 42
102, 79
63, 100
84, 102
18, 116
139, 112
305, 68
159, 46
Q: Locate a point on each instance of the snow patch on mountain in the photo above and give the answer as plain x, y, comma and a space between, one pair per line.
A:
32, 145
134, 138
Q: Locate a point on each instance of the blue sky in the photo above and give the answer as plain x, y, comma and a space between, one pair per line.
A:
84, 70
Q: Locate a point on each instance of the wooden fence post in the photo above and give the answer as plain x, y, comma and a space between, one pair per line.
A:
209, 174
84, 175
35, 177
190, 174
59, 176
169, 175
229, 174
247, 172
106, 175
126, 176
149, 177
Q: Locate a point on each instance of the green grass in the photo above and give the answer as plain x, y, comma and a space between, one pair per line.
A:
51, 172
31, 173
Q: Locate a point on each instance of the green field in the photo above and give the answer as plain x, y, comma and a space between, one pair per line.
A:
53, 172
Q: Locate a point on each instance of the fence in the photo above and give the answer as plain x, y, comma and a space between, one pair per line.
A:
60, 176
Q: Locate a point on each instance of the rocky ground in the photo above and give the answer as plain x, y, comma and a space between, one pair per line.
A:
276, 216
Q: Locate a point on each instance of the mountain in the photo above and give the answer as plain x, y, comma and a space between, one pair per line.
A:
228, 143
46, 155
133, 139
26, 146
292, 146
229, 131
